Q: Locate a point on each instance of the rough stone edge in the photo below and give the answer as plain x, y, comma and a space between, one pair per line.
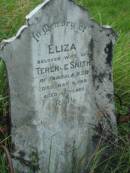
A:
36, 9
104, 27
4, 42
11, 39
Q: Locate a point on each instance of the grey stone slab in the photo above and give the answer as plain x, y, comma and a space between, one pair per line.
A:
60, 77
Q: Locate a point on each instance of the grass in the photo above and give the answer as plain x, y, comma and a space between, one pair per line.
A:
118, 160
12, 15
107, 12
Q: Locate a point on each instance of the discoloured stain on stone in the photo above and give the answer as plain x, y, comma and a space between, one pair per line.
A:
22, 154
110, 77
108, 51
110, 97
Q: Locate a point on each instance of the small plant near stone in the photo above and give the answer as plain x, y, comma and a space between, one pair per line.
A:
111, 157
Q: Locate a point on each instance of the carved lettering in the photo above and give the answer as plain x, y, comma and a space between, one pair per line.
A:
46, 28
73, 47
79, 64
66, 47
52, 49
50, 69
36, 36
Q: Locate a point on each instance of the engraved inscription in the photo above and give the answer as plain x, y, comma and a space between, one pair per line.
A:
46, 28
61, 48
64, 68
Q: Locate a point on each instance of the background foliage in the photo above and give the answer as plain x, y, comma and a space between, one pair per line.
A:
106, 12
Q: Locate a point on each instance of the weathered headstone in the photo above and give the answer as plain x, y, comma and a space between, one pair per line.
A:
60, 77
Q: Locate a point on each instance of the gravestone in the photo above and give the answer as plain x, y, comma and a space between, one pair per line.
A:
60, 77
